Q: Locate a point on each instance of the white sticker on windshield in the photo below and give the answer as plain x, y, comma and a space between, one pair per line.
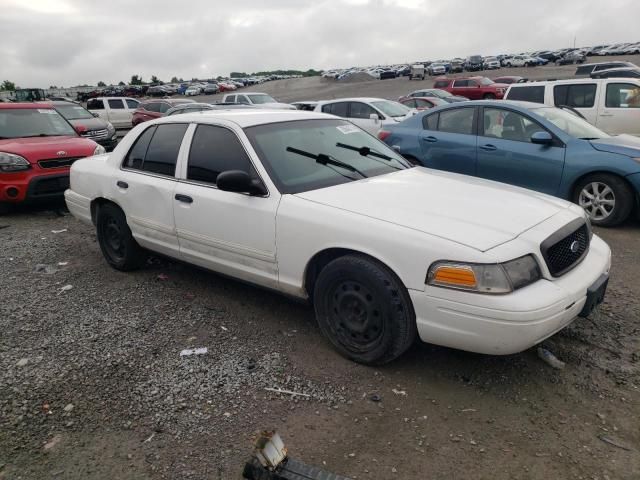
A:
346, 129
49, 111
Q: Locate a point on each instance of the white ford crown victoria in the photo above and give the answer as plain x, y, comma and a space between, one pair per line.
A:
310, 205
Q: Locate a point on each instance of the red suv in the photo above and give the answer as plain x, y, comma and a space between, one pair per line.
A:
152, 109
474, 88
37, 146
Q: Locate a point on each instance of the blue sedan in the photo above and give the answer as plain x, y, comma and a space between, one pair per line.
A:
530, 145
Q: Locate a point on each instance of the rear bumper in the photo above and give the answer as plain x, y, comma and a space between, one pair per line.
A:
502, 325
79, 206
30, 188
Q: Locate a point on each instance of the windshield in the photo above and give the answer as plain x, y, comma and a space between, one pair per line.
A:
571, 124
260, 99
392, 109
277, 143
486, 81
73, 112
32, 122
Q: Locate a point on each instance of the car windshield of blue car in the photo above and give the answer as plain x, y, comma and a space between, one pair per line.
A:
571, 124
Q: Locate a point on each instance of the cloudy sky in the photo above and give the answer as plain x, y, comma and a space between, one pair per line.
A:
69, 42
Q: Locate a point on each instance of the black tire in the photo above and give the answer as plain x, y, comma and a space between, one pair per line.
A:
621, 194
489, 96
364, 310
118, 246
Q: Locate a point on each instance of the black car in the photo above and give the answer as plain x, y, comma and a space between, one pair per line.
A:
386, 74
626, 72
571, 58
87, 125
550, 56
473, 63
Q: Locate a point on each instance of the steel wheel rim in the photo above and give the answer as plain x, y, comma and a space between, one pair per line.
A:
113, 239
598, 200
355, 317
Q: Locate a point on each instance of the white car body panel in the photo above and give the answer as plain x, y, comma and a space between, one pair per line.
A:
613, 121
406, 220
373, 126
119, 118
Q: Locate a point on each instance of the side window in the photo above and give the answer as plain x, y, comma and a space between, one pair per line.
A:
164, 107
116, 104
215, 150
360, 110
577, 95
586, 70
410, 103
242, 99
441, 84
472, 83
133, 104
95, 104
459, 120
136, 155
527, 94
339, 109
151, 107
423, 104
622, 95
508, 125
231, 99
430, 122
461, 83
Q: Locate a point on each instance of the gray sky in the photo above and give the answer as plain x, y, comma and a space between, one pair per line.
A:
68, 42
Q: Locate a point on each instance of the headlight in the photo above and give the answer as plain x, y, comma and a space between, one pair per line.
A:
99, 150
110, 127
10, 162
494, 278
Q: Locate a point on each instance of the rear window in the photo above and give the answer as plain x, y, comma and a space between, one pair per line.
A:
441, 84
527, 94
576, 96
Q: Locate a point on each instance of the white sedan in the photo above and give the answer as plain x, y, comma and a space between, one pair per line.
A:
370, 114
309, 205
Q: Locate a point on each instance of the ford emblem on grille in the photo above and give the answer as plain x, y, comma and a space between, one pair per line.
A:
61, 153
574, 247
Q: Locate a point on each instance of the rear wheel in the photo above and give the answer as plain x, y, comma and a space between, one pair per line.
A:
118, 246
364, 310
606, 198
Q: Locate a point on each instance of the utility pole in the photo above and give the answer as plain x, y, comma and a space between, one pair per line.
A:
574, 41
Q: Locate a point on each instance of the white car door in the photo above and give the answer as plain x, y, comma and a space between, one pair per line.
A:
118, 112
228, 232
144, 186
361, 114
131, 104
619, 107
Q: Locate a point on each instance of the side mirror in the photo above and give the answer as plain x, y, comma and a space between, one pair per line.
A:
541, 138
239, 181
375, 117
95, 114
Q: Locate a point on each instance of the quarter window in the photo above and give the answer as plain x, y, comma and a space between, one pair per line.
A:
577, 96
215, 150
623, 95
361, 110
459, 120
116, 104
156, 150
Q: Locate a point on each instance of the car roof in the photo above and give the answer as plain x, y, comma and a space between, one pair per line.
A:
249, 117
354, 99
562, 82
493, 103
25, 106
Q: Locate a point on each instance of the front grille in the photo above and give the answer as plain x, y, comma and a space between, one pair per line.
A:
566, 248
57, 162
49, 186
96, 134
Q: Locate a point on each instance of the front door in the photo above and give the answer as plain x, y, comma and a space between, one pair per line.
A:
506, 154
228, 232
620, 108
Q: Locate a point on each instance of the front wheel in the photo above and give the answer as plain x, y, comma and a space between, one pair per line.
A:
118, 246
364, 310
606, 198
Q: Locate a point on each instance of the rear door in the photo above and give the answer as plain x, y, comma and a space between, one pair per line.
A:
620, 107
448, 140
506, 154
581, 96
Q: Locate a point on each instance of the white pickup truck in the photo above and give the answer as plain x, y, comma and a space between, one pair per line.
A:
117, 110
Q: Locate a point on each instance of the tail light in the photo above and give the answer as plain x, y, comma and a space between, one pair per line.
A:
383, 134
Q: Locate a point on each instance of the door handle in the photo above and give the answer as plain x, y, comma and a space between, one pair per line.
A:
606, 114
183, 198
430, 139
488, 148
122, 184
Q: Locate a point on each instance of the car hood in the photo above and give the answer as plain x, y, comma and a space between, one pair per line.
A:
89, 123
40, 148
470, 211
621, 144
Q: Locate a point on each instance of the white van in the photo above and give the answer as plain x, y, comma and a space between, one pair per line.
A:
611, 104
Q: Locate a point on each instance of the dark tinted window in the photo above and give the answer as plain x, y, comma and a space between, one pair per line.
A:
156, 150
116, 104
136, 155
215, 150
527, 94
584, 70
607, 66
459, 120
132, 103
164, 107
339, 109
94, 104
361, 110
152, 106
441, 84
461, 83
430, 122
577, 96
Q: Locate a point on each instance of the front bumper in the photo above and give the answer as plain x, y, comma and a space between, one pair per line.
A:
506, 324
28, 187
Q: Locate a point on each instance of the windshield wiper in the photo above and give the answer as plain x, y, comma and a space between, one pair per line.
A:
324, 159
368, 152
